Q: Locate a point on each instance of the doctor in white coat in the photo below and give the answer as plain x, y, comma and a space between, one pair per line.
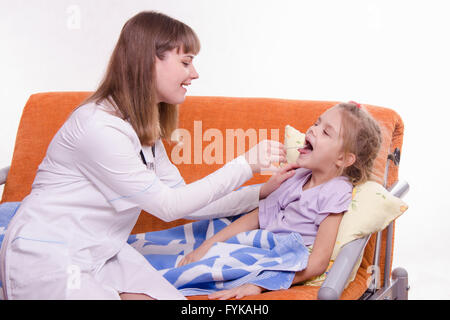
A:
68, 239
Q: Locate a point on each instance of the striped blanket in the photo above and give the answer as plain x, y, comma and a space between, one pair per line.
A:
260, 257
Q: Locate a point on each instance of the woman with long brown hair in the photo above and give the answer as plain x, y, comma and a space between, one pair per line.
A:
68, 239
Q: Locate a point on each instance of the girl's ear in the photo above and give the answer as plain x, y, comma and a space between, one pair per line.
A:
346, 160
350, 159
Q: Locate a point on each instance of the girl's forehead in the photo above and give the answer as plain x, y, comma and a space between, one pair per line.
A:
332, 115
332, 118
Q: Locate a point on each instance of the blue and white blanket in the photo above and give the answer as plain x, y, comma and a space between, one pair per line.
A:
258, 256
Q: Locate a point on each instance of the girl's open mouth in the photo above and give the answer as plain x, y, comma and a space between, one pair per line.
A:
308, 148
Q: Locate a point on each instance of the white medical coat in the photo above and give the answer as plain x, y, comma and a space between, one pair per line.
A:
68, 239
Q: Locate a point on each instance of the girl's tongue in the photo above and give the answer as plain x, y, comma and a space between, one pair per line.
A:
306, 149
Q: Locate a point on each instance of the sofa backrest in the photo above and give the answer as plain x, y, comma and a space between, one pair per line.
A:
216, 129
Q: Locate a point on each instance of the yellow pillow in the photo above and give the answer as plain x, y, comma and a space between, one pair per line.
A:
371, 210
293, 139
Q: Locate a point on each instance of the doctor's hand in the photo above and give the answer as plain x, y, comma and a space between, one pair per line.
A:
281, 175
264, 154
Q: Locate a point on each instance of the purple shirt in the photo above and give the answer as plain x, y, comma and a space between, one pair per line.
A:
292, 209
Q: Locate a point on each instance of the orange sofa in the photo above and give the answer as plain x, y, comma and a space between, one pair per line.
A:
44, 113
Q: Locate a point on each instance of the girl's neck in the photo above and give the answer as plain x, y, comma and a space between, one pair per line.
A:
317, 178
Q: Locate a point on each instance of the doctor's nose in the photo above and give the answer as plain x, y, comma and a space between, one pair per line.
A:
194, 73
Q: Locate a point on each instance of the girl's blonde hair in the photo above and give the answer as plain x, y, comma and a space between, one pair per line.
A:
361, 136
129, 82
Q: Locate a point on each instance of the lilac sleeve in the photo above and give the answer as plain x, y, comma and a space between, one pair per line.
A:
335, 197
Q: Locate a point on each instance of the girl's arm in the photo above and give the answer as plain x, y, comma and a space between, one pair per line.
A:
322, 250
248, 222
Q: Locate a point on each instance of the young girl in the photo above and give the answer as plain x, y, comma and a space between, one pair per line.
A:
339, 153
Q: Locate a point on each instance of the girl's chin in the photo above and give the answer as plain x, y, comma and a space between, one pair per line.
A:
302, 157
302, 163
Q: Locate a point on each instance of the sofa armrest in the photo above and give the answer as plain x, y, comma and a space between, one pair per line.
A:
3, 174
399, 188
339, 273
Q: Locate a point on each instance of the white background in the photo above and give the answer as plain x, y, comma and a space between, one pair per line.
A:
389, 53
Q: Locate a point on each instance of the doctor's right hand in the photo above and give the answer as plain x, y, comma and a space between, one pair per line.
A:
264, 154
